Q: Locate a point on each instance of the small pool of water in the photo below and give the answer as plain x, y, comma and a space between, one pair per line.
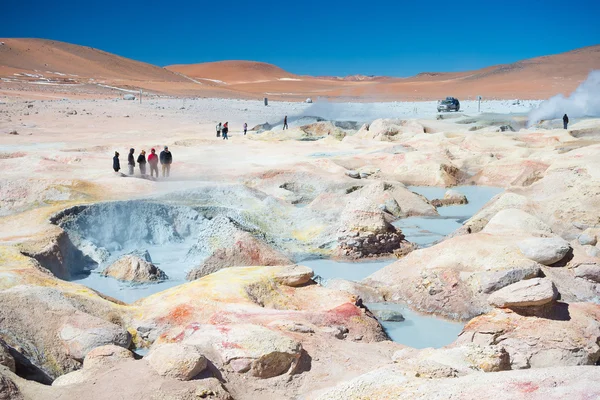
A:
171, 258
418, 330
425, 231
352, 271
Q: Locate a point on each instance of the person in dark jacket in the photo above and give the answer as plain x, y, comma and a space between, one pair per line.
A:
225, 130
153, 161
166, 158
116, 163
565, 121
131, 161
285, 125
141, 160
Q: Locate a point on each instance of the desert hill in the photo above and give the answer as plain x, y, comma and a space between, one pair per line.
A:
32, 66
47, 56
232, 72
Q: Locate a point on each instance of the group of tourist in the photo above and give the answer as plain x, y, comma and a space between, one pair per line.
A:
223, 129
165, 158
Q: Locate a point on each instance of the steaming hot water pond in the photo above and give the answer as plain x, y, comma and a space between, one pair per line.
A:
120, 227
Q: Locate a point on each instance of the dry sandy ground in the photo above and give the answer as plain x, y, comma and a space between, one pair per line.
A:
36, 68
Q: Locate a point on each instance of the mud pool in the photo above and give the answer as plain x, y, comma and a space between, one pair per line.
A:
174, 242
425, 231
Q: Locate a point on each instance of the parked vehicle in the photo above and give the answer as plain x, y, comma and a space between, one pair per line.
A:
448, 104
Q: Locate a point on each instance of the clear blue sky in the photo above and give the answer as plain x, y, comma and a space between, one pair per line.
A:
326, 37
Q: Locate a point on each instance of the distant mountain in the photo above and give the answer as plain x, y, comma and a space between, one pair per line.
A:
38, 65
48, 56
231, 72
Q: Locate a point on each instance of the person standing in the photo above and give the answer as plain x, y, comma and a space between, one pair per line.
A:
285, 125
245, 128
225, 130
153, 161
166, 158
141, 160
565, 121
219, 130
116, 163
131, 161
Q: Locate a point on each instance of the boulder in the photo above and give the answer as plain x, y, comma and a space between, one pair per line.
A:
353, 174
546, 251
495, 280
82, 333
588, 271
73, 378
176, 360
134, 269
527, 293
6, 358
293, 275
451, 197
246, 348
245, 251
388, 315
566, 336
509, 221
308, 100
587, 239
106, 355
128, 97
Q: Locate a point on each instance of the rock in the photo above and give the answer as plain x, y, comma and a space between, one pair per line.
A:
566, 336
8, 389
527, 293
176, 360
453, 361
246, 250
128, 97
6, 358
546, 251
293, 275
81, 334
106, 355
549, 384
451, 197
73, 378
247, 348
308, 100
72, 112
353, 174
13, 133
588, 271
366, 293
509, 221
134, 269
388, 315
587, 239
494, 280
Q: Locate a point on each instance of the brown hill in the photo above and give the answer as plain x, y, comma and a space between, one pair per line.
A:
232, 72
50, 56
37, 65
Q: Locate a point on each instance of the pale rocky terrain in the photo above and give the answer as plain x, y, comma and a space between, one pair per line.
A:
238, 218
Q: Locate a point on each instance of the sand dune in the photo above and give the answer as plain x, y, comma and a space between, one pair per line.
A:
30, 67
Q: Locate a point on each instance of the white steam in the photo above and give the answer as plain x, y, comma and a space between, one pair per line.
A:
583, 102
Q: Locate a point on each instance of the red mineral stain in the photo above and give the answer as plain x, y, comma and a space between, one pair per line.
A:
527, 387
219, 319
230, 345
343, 313
179, 315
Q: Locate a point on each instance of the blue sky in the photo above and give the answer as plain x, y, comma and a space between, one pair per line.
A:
397, 38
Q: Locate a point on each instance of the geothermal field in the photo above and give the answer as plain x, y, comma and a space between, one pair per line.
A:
373, 250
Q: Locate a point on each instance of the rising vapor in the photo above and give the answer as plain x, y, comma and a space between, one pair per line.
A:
583, 102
